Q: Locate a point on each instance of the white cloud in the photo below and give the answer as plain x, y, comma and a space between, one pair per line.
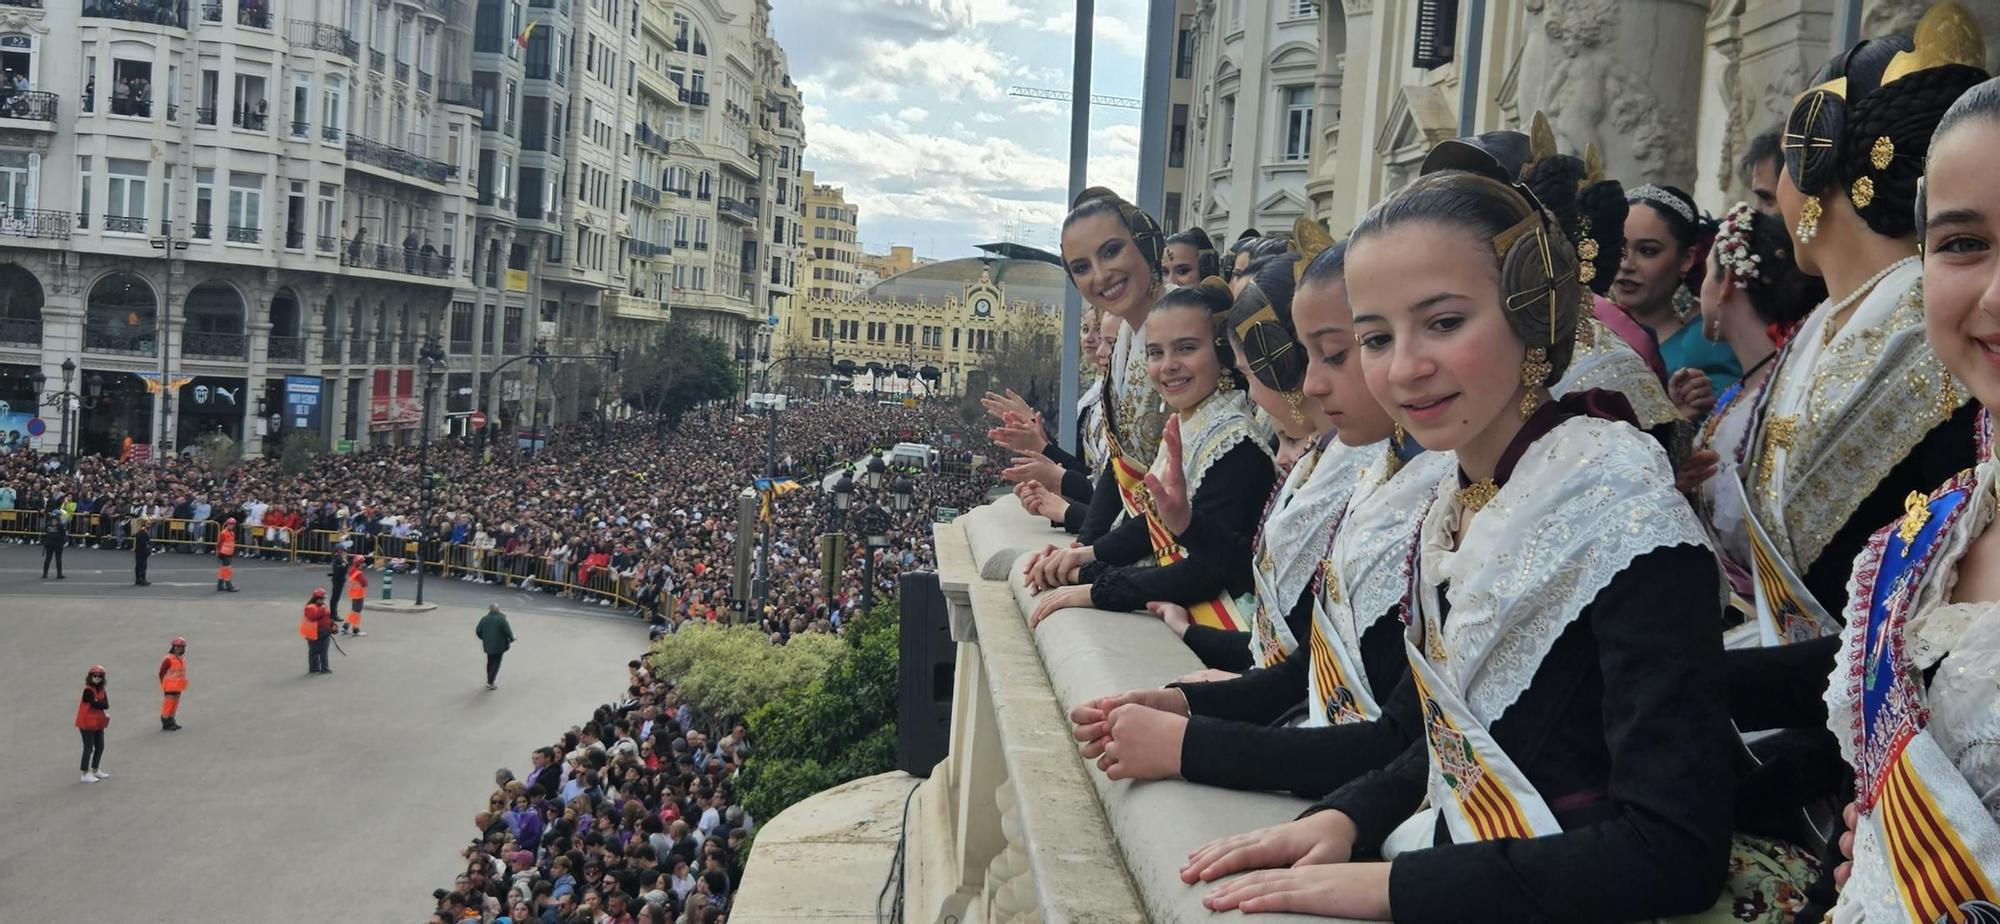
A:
913, 115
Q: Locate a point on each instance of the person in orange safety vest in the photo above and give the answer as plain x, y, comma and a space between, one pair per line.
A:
357, 591
173, 682
225, 552
316, 627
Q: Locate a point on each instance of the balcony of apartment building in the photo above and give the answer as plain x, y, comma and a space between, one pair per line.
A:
457, 93
32, 110
636, 306
151, 12
443, 10
35, 224
1008, 827
653, 139
692, 97
656, 85
560, 6
319, 36
416, 257
740, 209
651, 250
645, 194
396, 163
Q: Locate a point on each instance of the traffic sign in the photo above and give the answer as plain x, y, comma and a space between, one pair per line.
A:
477, 420
36, 427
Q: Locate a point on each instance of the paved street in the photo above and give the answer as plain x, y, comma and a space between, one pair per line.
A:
288, 796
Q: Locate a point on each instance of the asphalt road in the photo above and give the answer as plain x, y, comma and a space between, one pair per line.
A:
287, 796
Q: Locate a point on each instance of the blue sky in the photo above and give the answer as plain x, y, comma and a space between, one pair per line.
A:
907, 108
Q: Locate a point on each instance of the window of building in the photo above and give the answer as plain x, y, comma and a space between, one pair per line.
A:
329, 217
250, 109
1184, 49
1227, 137
1177, 137
132, 88
207, 102
1298, 122
1298, 9
204, 202
17, 175
125, 195
333, 107
246, 205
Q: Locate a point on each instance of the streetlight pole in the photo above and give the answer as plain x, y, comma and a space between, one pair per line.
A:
169, 247
540, 359
432, 355
768, 561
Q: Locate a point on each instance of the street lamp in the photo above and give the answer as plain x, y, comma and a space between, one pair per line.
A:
540, 360
872, 475
843, 495
901, 490
432, 355
67, 403
875, 522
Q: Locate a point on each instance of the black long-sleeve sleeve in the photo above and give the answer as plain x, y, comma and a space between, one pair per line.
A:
1229, 495
1309, 762
1073, 519
1063, 457
1105, 505
1625, 717
1221, 649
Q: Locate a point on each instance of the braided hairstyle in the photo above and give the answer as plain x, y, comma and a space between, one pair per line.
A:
1780, 293
1261, 321
1592, 216
1536, 268
1145, 232
1207, 262
1211, 296
1866, 124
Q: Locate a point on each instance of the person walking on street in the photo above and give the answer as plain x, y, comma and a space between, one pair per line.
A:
173, 682
92, 718
316, 627
357, 592
142, 550
55, 535
225, 552
496, 636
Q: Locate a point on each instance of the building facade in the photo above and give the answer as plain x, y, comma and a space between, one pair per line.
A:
242, 217
1670, 91
207, 203
1248, 129
831, 241
935, 329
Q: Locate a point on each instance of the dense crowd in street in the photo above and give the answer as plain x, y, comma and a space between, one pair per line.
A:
658, 512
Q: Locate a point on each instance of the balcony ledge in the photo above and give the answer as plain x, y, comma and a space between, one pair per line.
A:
1013, 825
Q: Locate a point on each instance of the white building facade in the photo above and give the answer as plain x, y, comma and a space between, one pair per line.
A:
1250, 123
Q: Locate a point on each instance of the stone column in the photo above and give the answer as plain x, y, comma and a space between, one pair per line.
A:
253, 382
1623, 74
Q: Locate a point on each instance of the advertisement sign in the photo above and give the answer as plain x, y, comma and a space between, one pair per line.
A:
213, 396
14, 427
302, 401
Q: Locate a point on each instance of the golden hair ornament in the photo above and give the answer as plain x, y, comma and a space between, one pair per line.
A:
1862, 192
1541, 142
1881, 153
1312, 239
1593, 164
1948, 34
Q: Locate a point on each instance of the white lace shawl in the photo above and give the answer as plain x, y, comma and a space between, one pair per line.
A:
1295, 533
1371, 556
1602, 360
1583, 502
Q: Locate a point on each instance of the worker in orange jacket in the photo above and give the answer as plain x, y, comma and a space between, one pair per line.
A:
173, 682
225, 552
316, 627
357, 591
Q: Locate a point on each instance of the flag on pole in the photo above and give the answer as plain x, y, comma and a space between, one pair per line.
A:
523, 39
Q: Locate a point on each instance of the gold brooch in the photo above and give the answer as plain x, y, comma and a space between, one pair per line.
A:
1477, 495
1881, 152
1862, 192
1916, 512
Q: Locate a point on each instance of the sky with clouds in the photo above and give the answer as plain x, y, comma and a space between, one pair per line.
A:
906, 107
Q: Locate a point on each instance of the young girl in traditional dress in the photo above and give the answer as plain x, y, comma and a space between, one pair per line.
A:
1564, 640
1911, 699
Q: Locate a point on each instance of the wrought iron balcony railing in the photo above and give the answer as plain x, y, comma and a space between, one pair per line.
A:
210, 345
32, 106
320, 36
156, 12
238, 234
125, 224
397, 160
393, 259
21, 331
288, 349
37, 223
119, 337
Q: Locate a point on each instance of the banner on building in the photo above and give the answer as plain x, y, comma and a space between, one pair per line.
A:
395, 403
302, 401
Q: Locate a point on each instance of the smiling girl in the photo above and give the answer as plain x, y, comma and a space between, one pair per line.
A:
1563, 641
1912, 698
1224, 468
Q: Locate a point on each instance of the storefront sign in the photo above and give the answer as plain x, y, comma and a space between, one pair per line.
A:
302, 401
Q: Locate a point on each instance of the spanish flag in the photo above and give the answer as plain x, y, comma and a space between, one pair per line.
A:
522, 40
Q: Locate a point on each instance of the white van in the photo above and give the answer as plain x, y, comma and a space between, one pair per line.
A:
920, 455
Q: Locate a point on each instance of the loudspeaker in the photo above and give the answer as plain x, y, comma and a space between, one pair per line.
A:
924, 680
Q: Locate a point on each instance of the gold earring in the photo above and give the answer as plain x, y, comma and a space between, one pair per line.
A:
1225, 383
1395, 461
1809, 215
1293, 398
1535, 369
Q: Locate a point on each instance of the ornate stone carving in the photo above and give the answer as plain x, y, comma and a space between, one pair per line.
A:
1624, 74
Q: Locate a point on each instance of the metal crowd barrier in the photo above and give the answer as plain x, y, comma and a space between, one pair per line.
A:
446, 559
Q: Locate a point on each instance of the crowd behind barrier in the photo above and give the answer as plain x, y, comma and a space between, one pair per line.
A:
621, 516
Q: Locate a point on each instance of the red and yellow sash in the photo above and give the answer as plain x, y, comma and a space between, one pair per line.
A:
1219, 613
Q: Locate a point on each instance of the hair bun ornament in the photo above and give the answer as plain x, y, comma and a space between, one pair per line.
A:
1311, 239
1734, 250
1213, 284
1812, 139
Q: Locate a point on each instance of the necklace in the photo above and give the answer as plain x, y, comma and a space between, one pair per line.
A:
1477, 495
1833, 314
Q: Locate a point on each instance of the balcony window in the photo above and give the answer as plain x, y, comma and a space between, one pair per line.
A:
1298, 122
170, 13
253, 13
132, 88
246, 207
125, 196
253, 110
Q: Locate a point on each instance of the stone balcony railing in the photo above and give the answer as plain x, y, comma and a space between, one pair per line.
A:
1013, 825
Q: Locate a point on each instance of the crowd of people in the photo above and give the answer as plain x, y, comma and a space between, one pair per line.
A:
630, 818
1615, 562
623, 516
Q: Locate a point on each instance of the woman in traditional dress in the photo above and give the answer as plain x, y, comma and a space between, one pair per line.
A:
1225, 468
1068, 506
1563, 639
1857, 413
1350, 672
1666, 239
1752, 292
1911, 699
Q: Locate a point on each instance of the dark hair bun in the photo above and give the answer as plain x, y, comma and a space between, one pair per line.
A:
1905, 113
1601, 210
1261, 320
